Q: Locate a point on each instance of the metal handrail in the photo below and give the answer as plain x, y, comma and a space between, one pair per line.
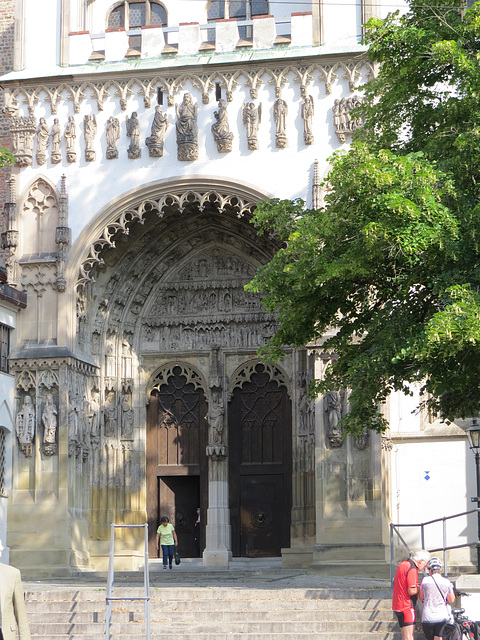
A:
394, 530
146, 581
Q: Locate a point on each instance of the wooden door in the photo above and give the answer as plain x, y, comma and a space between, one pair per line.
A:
177, 471
179, 497
260, 452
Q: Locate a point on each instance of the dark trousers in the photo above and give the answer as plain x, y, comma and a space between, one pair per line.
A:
1, 634
168, 553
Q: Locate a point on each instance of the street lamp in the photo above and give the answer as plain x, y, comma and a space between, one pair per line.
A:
473, 435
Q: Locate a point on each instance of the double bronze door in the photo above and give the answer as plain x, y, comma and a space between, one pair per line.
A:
259, 445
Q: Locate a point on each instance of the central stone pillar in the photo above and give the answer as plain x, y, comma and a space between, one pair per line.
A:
218, 532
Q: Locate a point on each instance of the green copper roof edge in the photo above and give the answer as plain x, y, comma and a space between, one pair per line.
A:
175, 62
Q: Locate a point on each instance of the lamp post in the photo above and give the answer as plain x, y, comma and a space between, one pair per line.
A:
473, 435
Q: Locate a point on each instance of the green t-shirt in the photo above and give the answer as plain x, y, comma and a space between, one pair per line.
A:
166, 533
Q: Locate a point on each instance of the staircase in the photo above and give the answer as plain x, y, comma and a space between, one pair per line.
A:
276, 606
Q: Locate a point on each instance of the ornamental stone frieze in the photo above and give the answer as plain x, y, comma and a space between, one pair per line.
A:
171, 85
177, 199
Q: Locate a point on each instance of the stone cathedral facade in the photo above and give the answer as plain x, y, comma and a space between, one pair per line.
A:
144, 134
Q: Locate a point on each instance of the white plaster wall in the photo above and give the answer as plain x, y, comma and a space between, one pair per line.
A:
284, 173
6, 422
42, 33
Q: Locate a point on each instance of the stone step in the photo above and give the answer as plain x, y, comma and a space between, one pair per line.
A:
178, 615
208, 604
159, 625
174, 592
338, 634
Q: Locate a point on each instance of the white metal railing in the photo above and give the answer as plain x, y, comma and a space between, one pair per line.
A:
394, 530
110, 579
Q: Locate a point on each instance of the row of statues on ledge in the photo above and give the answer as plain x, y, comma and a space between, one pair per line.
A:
87, 421
24, 130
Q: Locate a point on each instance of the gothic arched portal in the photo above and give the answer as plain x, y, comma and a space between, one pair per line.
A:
163, 313
260, 445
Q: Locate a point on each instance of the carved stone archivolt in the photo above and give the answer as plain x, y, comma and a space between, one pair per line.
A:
178, 199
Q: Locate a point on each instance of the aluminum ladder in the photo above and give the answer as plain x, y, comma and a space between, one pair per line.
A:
109, 597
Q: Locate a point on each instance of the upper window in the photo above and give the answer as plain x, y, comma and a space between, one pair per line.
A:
4, 347
131, 14
240, 9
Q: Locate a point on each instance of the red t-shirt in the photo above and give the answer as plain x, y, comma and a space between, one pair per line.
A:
406, 576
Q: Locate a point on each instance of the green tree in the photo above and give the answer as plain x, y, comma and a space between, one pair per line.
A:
6, 157
391, 263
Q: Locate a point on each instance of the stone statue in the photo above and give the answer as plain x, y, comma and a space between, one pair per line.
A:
215, 418
127, 419
187, 130
361, 442
70, 135
56, 135
280, 111
157, 136
221, 130
252, 116
90, 131
344, 124
305, 406
333, 408
94, 416
73, 424
25, 427
110, 414
23, 130
133, 132
307, 115
113, 135
49, 420
43, 135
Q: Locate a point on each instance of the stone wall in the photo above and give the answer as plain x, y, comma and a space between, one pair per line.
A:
7, 22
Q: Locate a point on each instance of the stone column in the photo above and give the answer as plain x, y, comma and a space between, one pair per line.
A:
218, 532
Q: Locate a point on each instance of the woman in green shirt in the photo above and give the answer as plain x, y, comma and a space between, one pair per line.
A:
167, 537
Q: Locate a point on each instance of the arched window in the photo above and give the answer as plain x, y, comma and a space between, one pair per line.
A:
131, 14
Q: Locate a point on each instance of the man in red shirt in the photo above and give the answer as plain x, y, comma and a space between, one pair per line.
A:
405, 592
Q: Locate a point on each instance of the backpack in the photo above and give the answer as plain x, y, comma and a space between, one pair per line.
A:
452, 632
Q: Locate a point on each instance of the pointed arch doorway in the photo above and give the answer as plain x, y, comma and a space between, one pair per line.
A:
260, 477
176, 462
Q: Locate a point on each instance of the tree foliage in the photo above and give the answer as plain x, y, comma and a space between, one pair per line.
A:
6, 157
391, 263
